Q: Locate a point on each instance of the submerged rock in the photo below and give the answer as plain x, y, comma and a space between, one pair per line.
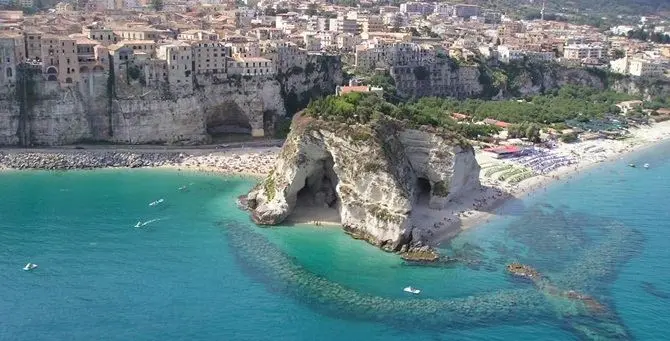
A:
374, 174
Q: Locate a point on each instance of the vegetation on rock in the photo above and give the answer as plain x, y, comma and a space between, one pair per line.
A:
527, 116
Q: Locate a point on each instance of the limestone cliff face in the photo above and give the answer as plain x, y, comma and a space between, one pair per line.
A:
317, 77
57, 116
374, 175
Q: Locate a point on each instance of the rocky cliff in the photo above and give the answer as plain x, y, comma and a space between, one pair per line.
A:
97, 110
317, 77
375, 175
527, 79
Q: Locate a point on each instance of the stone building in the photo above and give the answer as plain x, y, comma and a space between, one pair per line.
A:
179, 64
103, 35
12, 52
60, 60
198, 35
33, 43
253, 66
210, 57
138, 33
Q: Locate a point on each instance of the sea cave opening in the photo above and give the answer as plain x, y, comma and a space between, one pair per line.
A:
423, 191
317, 201
227, 123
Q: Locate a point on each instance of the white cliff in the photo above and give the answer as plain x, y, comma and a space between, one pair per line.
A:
374, 175
94, 110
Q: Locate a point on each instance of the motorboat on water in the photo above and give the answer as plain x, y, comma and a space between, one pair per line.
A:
411, 290
646, 165
139, 224
154, 203
631, 165
29, 266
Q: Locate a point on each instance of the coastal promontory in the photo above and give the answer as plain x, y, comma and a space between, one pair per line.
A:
360, 156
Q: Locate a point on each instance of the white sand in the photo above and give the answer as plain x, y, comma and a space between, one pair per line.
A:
480, 206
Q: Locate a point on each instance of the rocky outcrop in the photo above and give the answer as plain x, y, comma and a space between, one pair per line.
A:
374, 175
533, 79
318, 76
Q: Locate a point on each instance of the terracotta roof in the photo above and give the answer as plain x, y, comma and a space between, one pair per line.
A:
348, 89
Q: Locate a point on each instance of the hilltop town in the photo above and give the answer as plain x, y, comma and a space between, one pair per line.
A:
113, 70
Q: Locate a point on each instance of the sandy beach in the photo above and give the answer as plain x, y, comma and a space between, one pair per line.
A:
251, 161
481, 206
501, 180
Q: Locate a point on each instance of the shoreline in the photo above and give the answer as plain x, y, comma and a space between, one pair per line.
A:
251, 162
432, 225
641, 138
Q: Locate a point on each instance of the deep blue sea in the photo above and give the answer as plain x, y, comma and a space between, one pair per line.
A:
197, 269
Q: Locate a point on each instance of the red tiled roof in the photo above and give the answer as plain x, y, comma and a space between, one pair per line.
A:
348, 89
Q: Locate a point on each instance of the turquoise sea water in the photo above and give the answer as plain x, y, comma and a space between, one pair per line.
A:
201, 271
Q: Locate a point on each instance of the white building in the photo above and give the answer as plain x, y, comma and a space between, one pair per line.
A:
507, 54
638, 66
582, 51
422, 8
252, 66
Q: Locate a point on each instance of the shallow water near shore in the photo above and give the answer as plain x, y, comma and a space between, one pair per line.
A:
201, 271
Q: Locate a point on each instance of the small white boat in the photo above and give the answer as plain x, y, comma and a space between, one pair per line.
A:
646, 165
139, 224
631, 165
29, 266
154, 203
411, 290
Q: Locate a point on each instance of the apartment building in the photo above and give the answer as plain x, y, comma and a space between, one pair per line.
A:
371, 23
211, 57
198, 35
246, 50
582, 51
33, 44
59, 59
466, 11
103, 35
638, 66
179, 63
443, 9
138, 33
343, 24
252, 66
422, 8
147, 47
508, 54
91, 56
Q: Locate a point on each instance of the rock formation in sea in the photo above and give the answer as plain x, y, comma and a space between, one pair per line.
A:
375, 174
